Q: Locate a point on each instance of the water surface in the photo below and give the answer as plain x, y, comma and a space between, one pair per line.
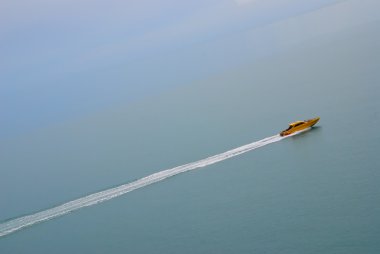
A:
313, 193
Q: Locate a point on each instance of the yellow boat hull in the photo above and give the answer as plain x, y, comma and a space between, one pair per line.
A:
299, 126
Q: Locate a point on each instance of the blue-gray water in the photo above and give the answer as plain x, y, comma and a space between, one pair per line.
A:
317, 192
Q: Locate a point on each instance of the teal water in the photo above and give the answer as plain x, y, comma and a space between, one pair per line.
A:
317, 192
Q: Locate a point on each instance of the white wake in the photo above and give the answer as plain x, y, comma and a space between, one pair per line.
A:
11, 226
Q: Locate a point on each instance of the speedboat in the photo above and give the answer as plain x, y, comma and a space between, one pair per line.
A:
299, 126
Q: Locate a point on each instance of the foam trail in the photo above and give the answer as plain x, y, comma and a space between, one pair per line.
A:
11, 226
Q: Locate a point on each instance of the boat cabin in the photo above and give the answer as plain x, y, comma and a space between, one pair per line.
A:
295, 124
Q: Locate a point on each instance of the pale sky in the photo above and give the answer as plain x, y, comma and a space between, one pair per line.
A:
65, 58
242, 2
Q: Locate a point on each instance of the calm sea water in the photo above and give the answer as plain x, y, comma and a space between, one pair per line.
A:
317, 192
